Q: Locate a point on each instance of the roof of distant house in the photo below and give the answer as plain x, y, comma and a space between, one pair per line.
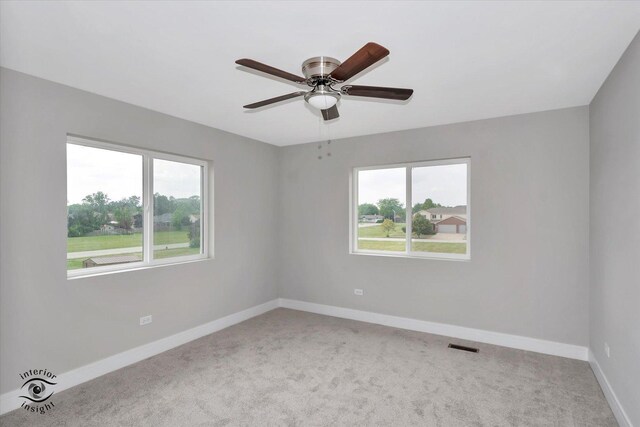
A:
452, 220
165, 217
456, 210
115, 259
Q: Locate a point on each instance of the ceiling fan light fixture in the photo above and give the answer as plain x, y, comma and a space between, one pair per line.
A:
322, 100
321, 73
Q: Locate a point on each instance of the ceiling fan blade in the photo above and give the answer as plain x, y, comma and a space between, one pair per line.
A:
274, 100
368, 55
250, 63
330, 113
377, 92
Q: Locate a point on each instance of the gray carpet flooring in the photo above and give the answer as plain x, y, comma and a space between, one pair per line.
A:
293, 368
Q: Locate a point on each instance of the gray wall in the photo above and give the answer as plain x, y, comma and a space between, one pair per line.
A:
530, 203
615, 228
49, 322
528, 273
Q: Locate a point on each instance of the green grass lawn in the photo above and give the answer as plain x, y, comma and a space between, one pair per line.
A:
167, 237
377, 245
74, 264
167, 253
92, 243
443, 248
377, 231
438, 247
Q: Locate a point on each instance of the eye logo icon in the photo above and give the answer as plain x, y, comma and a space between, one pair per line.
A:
37, 390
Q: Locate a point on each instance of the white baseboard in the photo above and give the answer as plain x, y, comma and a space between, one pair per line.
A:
10, 401
616, 407
478, 335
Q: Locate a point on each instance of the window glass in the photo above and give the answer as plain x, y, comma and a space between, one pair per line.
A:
439, 195
176, 209
129, 207
381, 210
104, 207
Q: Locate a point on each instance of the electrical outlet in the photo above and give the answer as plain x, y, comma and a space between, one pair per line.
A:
358, 292
607, 351
145, 320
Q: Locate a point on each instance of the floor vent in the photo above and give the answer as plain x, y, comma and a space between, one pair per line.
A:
463, 348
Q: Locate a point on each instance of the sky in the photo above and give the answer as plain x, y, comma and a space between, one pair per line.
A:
179, 180
445, 184
119, 175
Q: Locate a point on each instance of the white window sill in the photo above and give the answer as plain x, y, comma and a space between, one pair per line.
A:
98, 271
412, 255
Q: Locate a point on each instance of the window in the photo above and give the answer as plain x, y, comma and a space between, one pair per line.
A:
382, 193
434, 195
128, 208
177, 196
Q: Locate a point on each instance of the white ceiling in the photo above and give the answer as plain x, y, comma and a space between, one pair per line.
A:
465, 60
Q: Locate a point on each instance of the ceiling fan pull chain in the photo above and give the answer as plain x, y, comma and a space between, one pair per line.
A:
320, 138
328, 140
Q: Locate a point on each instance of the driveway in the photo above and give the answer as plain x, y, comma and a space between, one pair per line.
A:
367, 224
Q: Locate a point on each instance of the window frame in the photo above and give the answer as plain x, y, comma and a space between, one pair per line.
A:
407, 253
148, 157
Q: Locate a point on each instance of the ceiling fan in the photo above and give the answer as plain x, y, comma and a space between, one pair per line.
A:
322, 73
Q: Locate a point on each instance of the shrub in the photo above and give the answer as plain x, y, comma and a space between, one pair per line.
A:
421, 226
388, 226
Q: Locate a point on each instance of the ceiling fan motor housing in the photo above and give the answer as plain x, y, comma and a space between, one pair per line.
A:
319, 66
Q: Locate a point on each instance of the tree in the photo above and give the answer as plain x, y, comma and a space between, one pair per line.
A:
138, 220
98, 203
124, 216
81, 220
193, 204
421, 225
127, 212
390, 208
97, 200
97, 210
194, 234
179, 218
388, 226
428, 204
163, 204
133, 201
368, 209
88, 216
